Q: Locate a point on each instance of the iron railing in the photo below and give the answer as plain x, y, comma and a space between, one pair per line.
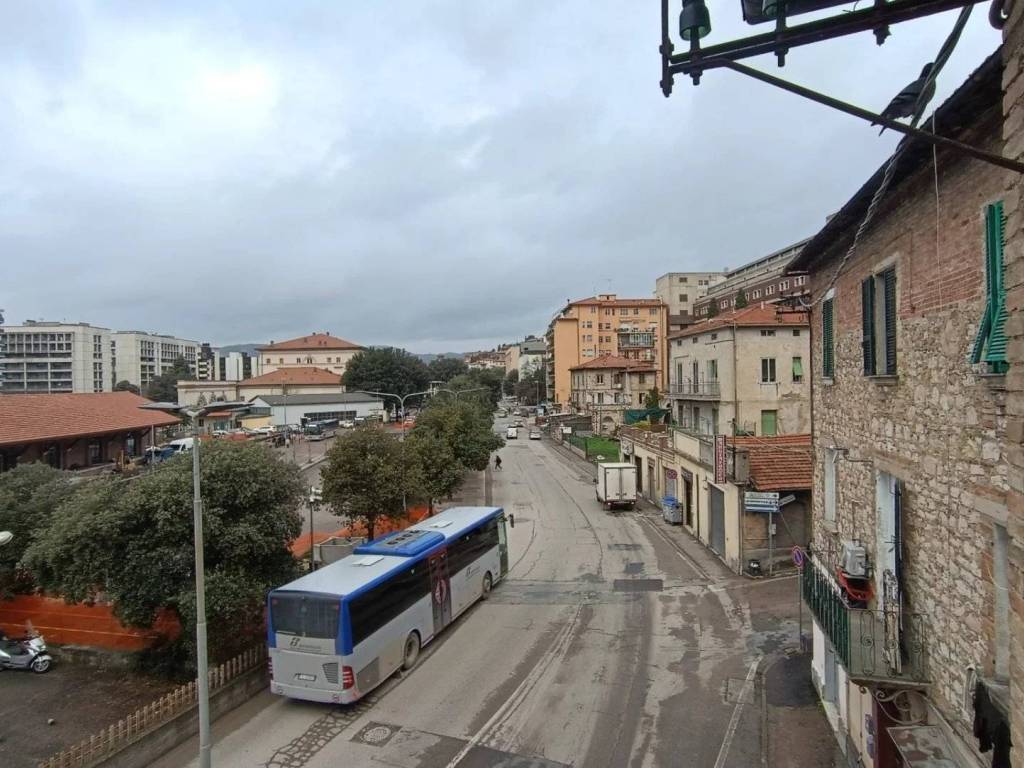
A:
695, 389
873, 645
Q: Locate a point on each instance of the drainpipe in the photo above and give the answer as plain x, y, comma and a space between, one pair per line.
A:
735, 381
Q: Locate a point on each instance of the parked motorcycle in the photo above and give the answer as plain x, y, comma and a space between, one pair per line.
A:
25, 653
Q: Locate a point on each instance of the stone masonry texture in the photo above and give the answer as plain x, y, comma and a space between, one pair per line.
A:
939, 425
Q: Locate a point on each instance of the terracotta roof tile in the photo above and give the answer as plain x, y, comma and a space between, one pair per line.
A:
313, 341
32, 418
613, 361
618, 302
781, 463
303, 375
753, 316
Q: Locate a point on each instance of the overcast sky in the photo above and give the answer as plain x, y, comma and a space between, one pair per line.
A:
438, 175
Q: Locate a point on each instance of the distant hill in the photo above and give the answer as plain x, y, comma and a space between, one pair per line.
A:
429, 357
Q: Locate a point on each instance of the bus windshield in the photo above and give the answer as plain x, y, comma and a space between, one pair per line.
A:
305, 615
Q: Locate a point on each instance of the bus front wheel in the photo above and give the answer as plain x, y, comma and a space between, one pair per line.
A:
411, 652
488, 583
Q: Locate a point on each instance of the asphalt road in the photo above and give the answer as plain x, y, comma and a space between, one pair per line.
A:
612, 643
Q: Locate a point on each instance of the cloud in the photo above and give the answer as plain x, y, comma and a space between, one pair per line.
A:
435, 175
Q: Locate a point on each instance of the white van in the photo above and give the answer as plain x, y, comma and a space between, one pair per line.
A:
512, 433
183, 445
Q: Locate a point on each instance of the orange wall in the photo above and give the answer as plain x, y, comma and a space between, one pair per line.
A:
300, 547
90, 625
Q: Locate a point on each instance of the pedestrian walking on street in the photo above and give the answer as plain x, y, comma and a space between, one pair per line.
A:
497, 462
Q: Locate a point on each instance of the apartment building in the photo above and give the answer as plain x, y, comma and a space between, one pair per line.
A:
47, 357
604, 388
318, 350
215, 365
139, 357
764, 280
587, 329
680, 291
910, 580
742, 372
524, 356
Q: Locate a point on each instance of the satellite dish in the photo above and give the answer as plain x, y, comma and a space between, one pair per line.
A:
5, 537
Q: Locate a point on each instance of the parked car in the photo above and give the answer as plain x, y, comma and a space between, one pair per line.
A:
535, 434
220, 433
346, 424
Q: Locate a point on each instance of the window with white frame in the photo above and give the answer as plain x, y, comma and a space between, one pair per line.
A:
768, 370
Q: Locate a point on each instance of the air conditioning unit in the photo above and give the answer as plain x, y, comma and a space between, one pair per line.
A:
854, 560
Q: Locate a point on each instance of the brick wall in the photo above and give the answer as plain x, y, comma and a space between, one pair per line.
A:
939, 427
1013, 134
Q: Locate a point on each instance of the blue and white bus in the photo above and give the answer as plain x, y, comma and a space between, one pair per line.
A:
337, 633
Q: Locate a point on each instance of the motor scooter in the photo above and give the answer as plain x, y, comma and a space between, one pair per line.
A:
24, 653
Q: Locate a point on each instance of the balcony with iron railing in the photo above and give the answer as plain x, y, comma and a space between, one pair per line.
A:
874, 645
695, 389
635, 340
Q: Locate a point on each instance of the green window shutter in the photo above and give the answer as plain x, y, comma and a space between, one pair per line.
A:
827, 341
867, 309
889, 281
995, 354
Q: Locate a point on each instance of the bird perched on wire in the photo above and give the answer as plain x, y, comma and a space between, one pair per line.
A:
905, 102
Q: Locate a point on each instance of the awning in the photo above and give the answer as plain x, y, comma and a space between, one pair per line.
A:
923, 746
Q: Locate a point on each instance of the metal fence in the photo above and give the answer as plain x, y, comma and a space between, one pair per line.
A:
108, 742
593, 447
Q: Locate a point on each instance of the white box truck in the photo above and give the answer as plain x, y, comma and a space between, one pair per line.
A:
616, 484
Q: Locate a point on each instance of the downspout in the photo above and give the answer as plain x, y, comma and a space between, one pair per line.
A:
735, 381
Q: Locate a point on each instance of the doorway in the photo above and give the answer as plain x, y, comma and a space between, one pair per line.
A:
440, 590
717, 509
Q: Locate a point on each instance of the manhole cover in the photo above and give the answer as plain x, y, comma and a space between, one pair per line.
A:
376, 734
637, 585
634, 567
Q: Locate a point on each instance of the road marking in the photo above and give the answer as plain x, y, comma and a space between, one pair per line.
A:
734, 721
685, 557
557, 649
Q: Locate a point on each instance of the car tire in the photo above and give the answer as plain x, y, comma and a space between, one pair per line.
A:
411, 651
488, 584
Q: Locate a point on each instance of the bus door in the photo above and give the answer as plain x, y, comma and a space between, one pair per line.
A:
503, 545
440, 590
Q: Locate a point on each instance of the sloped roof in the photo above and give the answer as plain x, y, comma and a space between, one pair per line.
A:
613, 361
318, 341
617, 302
300, 375
756, 316
980, 92
32, 418
325, 399
780, 463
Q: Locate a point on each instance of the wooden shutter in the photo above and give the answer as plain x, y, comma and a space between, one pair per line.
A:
867, 309
827, 349
995, 354
889, 281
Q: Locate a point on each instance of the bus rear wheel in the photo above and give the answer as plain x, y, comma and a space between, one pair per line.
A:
411, 652
485, 592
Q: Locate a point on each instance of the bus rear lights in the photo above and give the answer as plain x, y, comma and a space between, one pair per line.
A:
348, 678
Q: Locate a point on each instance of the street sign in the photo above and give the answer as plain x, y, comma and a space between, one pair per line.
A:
761, 502
798, 557
766, 496
720, 468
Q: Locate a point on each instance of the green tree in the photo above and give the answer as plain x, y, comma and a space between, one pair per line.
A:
741, 299
28, 495
164, 388
385, 369
532, 387
126, 386
437, 472
132, 542
713, 308
366, 478
508, 387
446, 368
653, 399
465, 427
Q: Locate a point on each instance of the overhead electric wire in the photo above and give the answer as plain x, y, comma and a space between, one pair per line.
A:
940, 61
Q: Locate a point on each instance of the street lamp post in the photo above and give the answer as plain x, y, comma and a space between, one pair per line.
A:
202, 665
401, 403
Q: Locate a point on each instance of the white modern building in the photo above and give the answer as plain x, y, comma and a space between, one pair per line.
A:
140, 357
680, 290
46, 357
296, 409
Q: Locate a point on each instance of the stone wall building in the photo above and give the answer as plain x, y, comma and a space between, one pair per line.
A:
1013, 256
910, 444
606, 387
